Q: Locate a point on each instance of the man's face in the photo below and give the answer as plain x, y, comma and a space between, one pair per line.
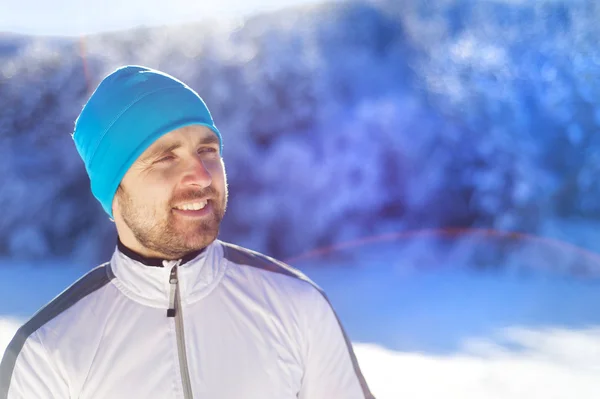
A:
173, 198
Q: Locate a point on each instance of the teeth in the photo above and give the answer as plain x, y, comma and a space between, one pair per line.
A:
194, 206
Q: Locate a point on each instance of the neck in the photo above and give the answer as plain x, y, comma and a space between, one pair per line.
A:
150, 260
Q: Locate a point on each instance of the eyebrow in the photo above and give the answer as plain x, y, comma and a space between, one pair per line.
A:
166, 148
161, 149
211, 139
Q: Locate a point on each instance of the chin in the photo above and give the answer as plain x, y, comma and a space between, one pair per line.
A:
202, 240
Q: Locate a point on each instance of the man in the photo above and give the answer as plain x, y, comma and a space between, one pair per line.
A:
176, 313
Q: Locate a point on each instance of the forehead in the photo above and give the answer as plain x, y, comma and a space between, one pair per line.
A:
191, 133
187, 136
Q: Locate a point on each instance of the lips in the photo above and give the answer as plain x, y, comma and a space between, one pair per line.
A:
189, 209
192, 206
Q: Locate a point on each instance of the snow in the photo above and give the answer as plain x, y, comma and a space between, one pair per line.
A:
552, 364
444, 113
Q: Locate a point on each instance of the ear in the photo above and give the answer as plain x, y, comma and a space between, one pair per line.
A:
115, 204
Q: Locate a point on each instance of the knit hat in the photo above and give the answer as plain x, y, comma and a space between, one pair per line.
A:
130, 109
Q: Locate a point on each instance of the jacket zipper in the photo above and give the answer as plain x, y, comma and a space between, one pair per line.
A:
175, 312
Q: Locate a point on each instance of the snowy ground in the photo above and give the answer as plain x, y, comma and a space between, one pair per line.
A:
473, 336
426, 324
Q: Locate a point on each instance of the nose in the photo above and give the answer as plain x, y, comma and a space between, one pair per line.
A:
196, 174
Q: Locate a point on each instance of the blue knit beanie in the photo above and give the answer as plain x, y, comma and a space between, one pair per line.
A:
128, 111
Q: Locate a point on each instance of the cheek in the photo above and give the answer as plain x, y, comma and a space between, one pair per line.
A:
219, 176
152, 195
158, 197
148, 190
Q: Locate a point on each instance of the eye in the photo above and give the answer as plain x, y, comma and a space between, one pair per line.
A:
207, 150
166, 158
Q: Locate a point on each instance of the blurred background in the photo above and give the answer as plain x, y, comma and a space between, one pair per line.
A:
431, 164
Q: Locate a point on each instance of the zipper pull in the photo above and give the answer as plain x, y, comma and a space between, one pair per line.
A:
173, 283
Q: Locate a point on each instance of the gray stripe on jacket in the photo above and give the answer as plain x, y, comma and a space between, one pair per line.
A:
90, 282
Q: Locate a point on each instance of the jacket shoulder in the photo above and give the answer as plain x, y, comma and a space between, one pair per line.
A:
84, 286
245, 257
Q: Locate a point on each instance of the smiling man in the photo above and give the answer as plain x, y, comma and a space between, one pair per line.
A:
176, 313
173, 198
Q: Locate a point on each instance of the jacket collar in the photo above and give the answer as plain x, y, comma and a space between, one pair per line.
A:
197, 276
154, 262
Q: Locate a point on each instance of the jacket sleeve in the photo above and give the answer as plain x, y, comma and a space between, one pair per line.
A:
330, 367
27, 371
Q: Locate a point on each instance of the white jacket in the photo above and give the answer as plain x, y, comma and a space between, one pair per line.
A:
240, 326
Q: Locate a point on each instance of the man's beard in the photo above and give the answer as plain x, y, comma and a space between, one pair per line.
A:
171, 236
